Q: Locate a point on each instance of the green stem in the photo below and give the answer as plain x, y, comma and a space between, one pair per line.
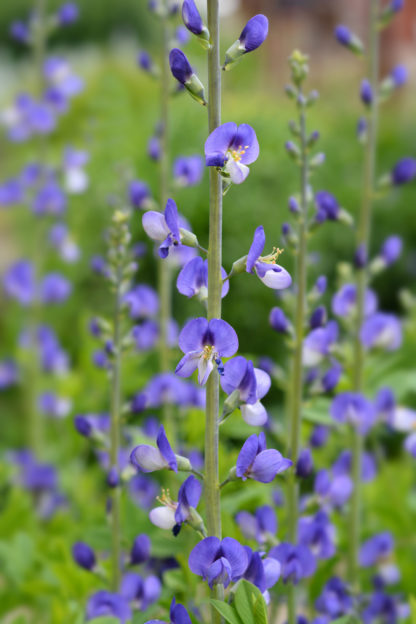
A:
363, 239
296, 390
212, 489
115, 436
164, 276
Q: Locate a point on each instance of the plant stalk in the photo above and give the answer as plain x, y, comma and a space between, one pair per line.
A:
115, 436
363, 239
212, 487
296, 390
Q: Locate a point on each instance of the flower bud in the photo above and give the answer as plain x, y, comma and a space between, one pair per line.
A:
362, 130
331, 378
184, 465
397, 78
231, 403
112, 478
360, 256
318, 317
140, 551
317, 160
389, 12
294, 128
294, 205
313, 138
278, 320
348, 39
291, 92
83, 555
299, 66
193, 22
366, 92
304, 465
188, 238
252, 36
312, 97
239, 266
184, 74
404, 171
293, 150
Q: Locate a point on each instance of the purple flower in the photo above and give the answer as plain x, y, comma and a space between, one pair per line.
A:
399, 76
104, 603
391, 249
148, 458
320, 285
232, 148
11, 192
49, 200
297, 561
376, 549
335, 599
348, 39
140, 551
343, 464
318, 317
83, 555
145, 334
163, 227
9, 373
252, 36
68, 13
327, 206
256, 462
319, 436
177, 614
145, 61
271, 274
188, 496
333, 490
249, 385
366, 92
383, 331
345, 300
304, 465
278, 320
354, 409
332, 376
318, 534
154, 148
188, 170
260, 526
52, 405
19, 282
185, 75
142, 301
263, 573
59, 75
404, 171
205, 342
54, 288
140, 592
193, 21
143, 491
91, 424
362, 129
318, 344
193, 279
20, 32
396, 5
218, 561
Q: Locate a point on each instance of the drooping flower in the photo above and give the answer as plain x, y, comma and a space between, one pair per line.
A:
218, 561
193, 279
232, 148
163, 227
252, 36
355, 409
383, 331
271, 274
257, 462
104, 603
205, 342
188, 170
297, 561
249, 386
148, 458
83, 555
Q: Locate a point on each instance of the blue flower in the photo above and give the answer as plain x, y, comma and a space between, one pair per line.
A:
54, 288
250, 384
318, 534
148, 458
251, 37
271, 274
256, 462
366, 92
279, 321
19, 282
263, 573
9, 373
177, 614
399, 75
163, 227
193, 279
260, 526
104, 603
348, 39
391, 249
142, 301
404, 171
205, 342
376, 549
345, 300
232, 148
188, 170
140, 592
304, 465
193, 21
139, 194
185, 75
318, 344
335, 599
333, 490
83, 555
67, 13
297, 561
355, 409
218, 561
383, 331
140, 551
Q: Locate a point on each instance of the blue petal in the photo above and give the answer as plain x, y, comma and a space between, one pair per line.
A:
171, 217
247, 455
166, 449
218, 143
246, 140
256, 249
224, 337
203, 554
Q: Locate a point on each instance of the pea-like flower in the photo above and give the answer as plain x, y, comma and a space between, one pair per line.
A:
335, 599
177, 615
193, 279
345, 300
297, 561
185, 75
139, 194
257, 462
263, 573
319, 343
347, 38
188, 170
163, 227
260, 526
148, 458
218, 561
104, 603
83, 555
193, 21
318, 534
271, 274
140, 551
232, 148
404, 171
383, 331
205, 343
246, 385
355, 409
252, 36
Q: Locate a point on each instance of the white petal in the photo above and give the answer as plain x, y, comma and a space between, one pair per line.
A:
263, 382
205, 367
255, 414
237, 171
154, 225
149, 458
276, 279
76, 180
310, 357
404, 419
162, 517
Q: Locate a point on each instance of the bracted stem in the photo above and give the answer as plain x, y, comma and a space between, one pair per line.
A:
212, 488
296, 390
363, 240
115, 434
164, 276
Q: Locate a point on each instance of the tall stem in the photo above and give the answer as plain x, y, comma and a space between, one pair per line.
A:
115, 434
295, 403
363, 240
164, 277
212, 490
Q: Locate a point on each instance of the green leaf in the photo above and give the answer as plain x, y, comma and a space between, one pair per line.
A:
106, 620
347, 619
412, 601
228, 613
246, 598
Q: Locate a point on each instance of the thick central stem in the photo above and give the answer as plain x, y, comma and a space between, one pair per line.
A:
115, 438
212, 490
296, 391
164, 276
363, 240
